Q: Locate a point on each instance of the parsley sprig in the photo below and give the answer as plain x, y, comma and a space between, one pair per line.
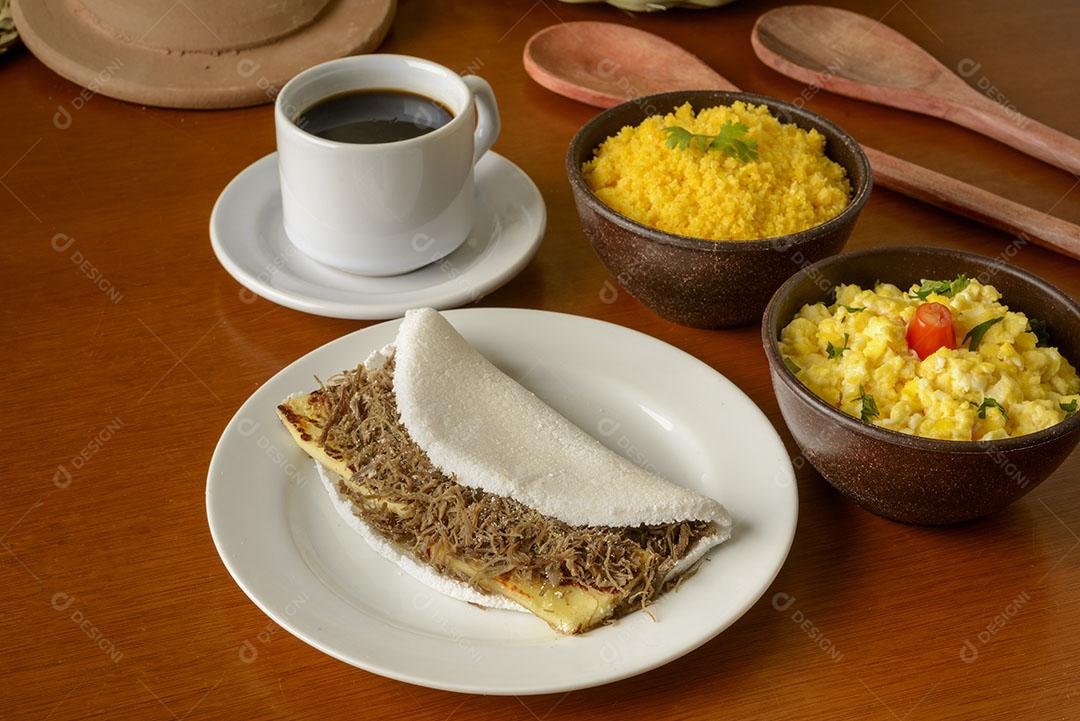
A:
947, 288
729, 140
976, 334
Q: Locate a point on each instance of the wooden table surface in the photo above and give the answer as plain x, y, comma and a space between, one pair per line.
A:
130, 349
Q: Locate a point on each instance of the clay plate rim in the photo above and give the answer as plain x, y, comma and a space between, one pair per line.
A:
70, 45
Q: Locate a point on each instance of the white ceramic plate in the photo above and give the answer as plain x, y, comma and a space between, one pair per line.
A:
248, 237
286, 546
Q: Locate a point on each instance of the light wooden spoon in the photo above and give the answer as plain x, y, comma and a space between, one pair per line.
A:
850, 54
604, 64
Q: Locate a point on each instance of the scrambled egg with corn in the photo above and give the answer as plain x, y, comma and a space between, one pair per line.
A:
855, 356
789, 186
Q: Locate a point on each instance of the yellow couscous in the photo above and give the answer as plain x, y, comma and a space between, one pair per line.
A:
855, 355
790, 186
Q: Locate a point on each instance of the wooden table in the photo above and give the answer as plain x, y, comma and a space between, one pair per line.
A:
127, 348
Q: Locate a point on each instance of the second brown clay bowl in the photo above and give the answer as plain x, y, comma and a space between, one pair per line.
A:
697, 282
907, 478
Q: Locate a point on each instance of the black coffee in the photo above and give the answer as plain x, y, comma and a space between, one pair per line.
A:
374, 116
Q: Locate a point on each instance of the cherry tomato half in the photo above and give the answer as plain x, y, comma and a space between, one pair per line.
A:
931, 328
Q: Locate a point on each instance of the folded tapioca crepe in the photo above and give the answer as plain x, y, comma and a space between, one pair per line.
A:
473, 485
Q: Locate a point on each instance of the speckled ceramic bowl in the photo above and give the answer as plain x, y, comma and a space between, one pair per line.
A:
907, 478
708, 283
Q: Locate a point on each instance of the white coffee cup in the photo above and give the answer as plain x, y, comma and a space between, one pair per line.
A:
382, 208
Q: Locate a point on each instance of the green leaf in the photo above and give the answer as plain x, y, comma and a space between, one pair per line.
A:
792, 365
947, 288
852, 309
678, 137
869, 406
727, 141
1069, 408
928, 287
976, 334
989, 402
1042, 333
836, 352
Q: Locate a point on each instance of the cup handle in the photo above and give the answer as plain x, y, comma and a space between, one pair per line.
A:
487, 114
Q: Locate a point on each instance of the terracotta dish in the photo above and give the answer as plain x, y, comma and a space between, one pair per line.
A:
708, 283
196, 53
909, 478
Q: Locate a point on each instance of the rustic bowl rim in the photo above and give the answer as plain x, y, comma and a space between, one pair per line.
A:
935, 445
576, 155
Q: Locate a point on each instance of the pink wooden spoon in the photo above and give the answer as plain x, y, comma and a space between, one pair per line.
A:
850, 54
604, 64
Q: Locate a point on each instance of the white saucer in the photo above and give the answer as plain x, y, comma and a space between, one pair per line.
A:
249, 240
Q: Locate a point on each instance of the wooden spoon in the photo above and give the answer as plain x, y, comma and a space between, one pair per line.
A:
850, 54
604, 64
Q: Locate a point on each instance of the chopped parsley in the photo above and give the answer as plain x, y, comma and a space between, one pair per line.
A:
976, 334
947, 288
791, 365
852, 308
869, 406
1069, 408
834, 352
988, 403
1039, 329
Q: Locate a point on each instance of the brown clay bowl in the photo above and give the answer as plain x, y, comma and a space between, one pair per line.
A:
708, 283
907, 478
